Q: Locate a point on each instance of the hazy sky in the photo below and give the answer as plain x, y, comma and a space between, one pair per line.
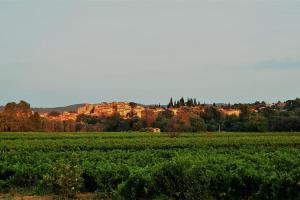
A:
56, 52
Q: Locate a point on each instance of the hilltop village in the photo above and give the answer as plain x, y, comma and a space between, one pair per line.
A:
128, 110
177, 116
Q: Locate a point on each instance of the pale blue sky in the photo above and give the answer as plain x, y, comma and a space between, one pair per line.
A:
56, 52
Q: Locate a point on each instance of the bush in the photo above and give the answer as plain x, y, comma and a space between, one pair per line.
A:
171, 179
198, 181
108, 177
64, 179
138, 186
90, 184
6, 174
3, 186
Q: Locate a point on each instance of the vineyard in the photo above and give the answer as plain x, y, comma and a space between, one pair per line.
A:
147, 166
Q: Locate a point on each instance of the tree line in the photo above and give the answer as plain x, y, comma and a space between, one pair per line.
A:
253, 117
190, 102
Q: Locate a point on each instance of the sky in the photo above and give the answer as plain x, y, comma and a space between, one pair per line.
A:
62, 52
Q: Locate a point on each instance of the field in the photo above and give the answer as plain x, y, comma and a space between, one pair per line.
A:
148, 166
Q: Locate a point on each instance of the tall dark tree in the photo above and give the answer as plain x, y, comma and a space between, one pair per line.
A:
190, 102
171, 105
181, 102
195, 102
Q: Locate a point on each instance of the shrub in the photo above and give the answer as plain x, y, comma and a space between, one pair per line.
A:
3, 186
198, 181
64, 179
171, 179
138, 186
90, 184
108, 177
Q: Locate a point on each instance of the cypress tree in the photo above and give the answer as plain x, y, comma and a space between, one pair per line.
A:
195, 102
171, 105
182, 103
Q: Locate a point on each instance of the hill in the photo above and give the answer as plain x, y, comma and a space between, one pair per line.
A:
70, 108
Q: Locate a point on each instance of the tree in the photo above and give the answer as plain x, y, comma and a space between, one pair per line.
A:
10, 108
181, 122
181, 102
195, 102
231, 123
69, 126
116, 123
15, 117
212, 125
285, 123
170, 105
136, 124
245, 112
148, 117
3, 123
36, 122
212, 113
197, 123
88, 119
54, 126
268, 112
163, 119
292, 104
257, 122
189, 102
24, 107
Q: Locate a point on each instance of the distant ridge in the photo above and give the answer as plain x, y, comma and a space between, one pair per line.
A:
61, 109
70, 108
